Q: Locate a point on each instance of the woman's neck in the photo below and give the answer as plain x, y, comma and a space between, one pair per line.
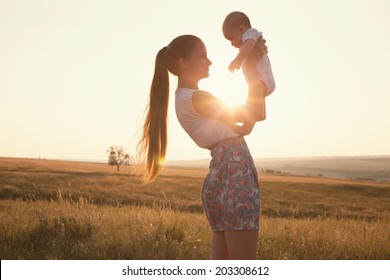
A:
183, 83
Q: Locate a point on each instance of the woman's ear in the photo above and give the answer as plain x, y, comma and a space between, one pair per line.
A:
183, 64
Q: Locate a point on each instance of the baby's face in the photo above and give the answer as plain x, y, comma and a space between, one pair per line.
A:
234, 35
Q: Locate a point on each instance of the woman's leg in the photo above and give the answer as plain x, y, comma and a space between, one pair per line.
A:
219, 250
242, 244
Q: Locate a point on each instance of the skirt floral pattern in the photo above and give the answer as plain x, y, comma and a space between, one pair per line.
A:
230, 193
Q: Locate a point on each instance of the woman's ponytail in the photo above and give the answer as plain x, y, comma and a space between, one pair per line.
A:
153, 143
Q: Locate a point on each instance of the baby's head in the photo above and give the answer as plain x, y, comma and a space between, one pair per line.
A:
234, 26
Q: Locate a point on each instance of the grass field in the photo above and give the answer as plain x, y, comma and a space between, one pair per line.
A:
75, 210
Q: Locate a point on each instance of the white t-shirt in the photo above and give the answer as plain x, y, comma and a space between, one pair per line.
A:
264, 65
204, 131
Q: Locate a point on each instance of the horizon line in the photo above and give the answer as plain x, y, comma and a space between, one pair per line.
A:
208, 159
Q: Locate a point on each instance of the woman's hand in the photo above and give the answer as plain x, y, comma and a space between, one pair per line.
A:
259, 50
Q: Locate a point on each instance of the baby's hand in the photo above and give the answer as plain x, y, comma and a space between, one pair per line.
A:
234, 65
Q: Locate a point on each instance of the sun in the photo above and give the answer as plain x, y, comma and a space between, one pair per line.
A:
230, 87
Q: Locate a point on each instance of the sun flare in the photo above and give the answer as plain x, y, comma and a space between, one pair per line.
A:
230, 87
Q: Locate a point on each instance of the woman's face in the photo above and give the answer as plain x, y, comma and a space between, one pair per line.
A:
198, 64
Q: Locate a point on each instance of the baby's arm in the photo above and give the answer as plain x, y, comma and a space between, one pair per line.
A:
246, 48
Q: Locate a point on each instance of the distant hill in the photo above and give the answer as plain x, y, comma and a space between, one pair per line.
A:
376, 168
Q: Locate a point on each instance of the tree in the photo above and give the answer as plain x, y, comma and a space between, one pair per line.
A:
117, 156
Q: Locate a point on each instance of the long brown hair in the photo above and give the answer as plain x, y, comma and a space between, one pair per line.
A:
153, 143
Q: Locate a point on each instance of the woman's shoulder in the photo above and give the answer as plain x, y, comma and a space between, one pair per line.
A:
194, 93
202, 92
201, 96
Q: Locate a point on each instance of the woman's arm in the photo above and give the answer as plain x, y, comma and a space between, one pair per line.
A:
259, 50
256, 100
256, 91
210, 106
244, 129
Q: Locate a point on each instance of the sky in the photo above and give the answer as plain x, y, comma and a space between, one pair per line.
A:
75, 75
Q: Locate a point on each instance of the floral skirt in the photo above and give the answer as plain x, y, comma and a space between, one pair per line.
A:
230, 193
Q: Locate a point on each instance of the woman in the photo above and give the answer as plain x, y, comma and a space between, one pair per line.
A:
230, 194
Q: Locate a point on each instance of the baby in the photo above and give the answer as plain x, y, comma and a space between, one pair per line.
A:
237, 29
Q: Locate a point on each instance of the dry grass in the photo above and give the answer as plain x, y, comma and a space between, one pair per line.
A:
61, 210
79, 230
327, 238
70, 230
